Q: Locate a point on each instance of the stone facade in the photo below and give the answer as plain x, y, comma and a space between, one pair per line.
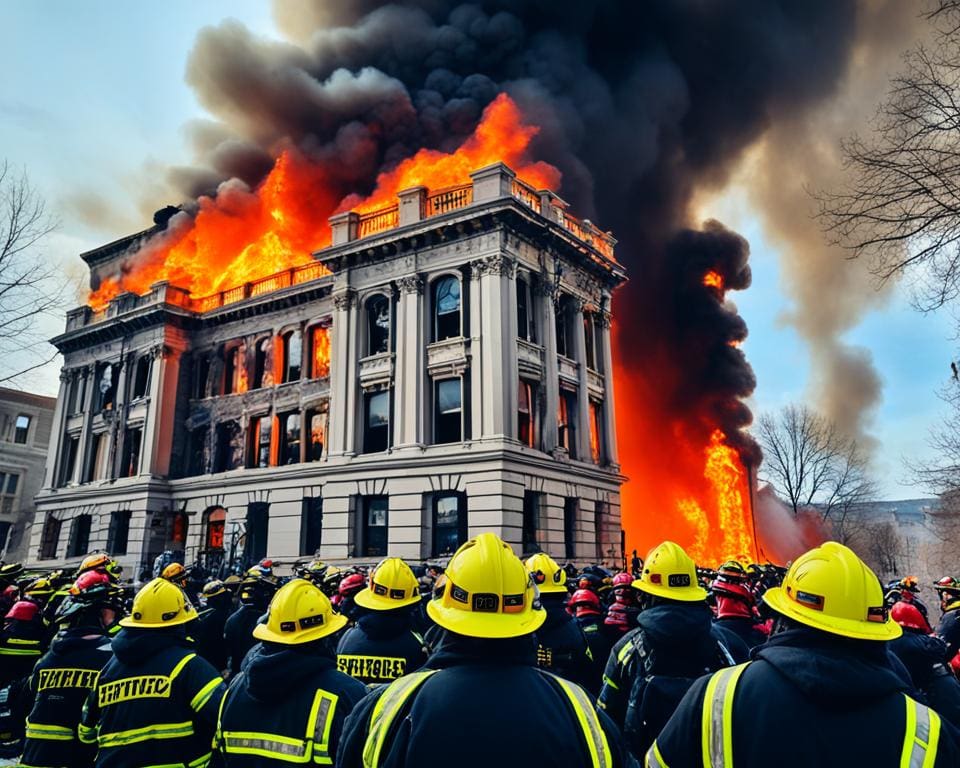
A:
442, 369
25, 424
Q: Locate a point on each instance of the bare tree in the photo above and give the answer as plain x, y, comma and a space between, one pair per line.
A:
811, 465
30, 286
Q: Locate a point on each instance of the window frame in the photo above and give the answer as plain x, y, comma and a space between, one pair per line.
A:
435, 307
438, 415
530, 527
50, 538
285, 446
119, 530
311, 529
23, 431
141, 378
78, 543
313, 331
286, 376
365, 509
209, 525
531, 392
254, 550
386, 341
571, 516
368, 445
461, 524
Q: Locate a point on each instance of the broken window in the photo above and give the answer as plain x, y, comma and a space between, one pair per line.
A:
216, 521
98, 468
564, 319
292, 356
446, 308
50, 539
262, 360
75, 393
378, 324
229, 446
202, 363
376, 432
526, 315
525, 400
531, 519
596, 432
199, 451
448, 405
589, 336
567, 422
319, 352
130, 461
317, 426
119, 532
235, 370
141, 377
106, 386
79, 542
70, 449
259, 455
290, 438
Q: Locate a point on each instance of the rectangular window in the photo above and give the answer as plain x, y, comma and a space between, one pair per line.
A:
50, 539
526, 312
70, 449
292, 356
567, 422
202, 363
9, 482
589, 338
564, 345
373, 538
449, 523
22, 429
311, 525
255, 544
141, 377
319, 352
262, 361
74, 398
317, 426
259, 453
199, 451
448, 419
130, 460
571, 509
79, 542
106, 386
4, 533
525, 399
531, 514
290, 438
596, 432
234, 370
98, 468
229, 447
376, 433
119, 532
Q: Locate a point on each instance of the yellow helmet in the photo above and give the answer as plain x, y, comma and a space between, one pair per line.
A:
547, 575
174, 572
160, 603
486, 591
831, 589
299, 613
39, 588
391, 585
669, 572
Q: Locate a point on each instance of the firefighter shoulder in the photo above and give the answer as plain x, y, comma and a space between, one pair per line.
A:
588, 613
289, 703
383, 645
66, 674
822, 690
482, 698
561, 645
651, 667
156, 700
25, 635
256, 591
211, 621
948, 590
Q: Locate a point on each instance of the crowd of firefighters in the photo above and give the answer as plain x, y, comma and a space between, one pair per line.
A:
490, 660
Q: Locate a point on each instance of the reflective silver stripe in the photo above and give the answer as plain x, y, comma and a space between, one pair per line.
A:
919, 739
586, 715
264, 744
718, 720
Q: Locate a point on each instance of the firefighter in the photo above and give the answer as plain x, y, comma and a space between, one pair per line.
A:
63, 678
256, 591
651, 667
383, 645
289, 703
25, 635
820, 692
588, 613
175, 573
736, 606
561, 646
347, 590
211, 621
156, 701
102, 563
485, 667
313, 570
9, 573
948, 590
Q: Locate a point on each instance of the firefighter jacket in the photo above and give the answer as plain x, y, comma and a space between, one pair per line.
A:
485, 703
288, 705
682, 641
949, 629
58, 688
381, 647
207, 632
923, 656
808, 699
23, 640
238, 633
562, 648
155, 703
747, 628
599, 643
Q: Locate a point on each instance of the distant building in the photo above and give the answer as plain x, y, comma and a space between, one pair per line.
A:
25, 424
443, 368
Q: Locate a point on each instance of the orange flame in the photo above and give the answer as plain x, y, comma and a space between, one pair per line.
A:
713, 279
240, 235
320, 367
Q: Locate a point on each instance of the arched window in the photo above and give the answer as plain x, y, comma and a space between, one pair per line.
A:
215, 520
262, 372
292, 355
446, 308
378, 324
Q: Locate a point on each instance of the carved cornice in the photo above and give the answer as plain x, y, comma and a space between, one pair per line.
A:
345, 301
410, 284
495, 264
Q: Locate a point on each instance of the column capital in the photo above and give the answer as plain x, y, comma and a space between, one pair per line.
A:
495, 264
346, 300
410, 284
605, 319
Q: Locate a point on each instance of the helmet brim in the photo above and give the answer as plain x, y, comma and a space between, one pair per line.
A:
691, 594
486, 625
366, 598
132, 623
334, 625
777, 599
552, 589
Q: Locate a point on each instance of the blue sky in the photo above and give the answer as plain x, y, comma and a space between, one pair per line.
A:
94, 92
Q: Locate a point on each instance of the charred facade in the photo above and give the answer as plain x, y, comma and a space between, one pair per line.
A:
444, 367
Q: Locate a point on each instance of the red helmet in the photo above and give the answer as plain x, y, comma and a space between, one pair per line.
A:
351, 584
88, 580
585, 602
623, 580
23, 610
907, 615
617, 617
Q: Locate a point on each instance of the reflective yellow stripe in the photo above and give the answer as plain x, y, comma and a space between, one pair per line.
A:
624, 652
135, 735
269, 745
204, 694
18, 652
20, 641
608, 681
597, 745
654, 759
921, 736
385, 712
716, 738
319, 725
87, 734
180, 665
49, 732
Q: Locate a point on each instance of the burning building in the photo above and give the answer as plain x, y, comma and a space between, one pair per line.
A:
443, 367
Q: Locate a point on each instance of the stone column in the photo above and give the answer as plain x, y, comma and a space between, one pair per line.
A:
90, 397
119, 422
583, 399
408, 367
342, 375
478, 384
499, 353
60, 416
551, 369
609, 412
158, 427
